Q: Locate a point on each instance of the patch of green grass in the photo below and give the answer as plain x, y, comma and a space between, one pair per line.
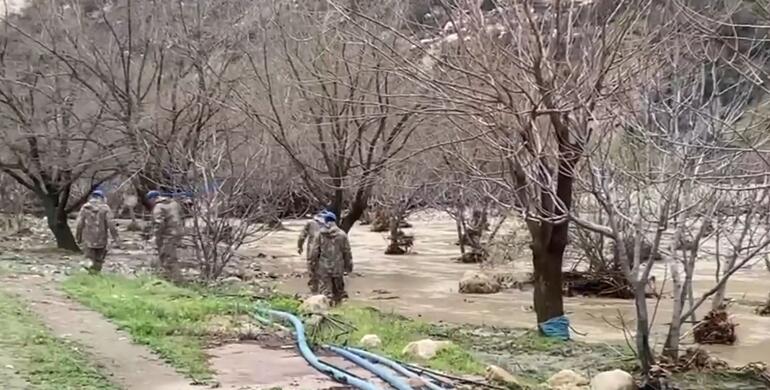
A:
40, 359
170, 320
717, 380
396, 332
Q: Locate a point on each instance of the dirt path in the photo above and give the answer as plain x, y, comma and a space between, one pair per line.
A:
129, 365
134, 367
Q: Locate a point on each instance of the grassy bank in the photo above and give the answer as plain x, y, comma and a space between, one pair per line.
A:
32, 358
396, 332
177, 322
170, 320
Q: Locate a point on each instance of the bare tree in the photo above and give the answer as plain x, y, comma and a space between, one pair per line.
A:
399, 192
330, 102
528, 79
668, 162
234, 200
54, 137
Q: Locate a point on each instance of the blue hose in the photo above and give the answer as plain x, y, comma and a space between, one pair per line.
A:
381, 372
311, 358
393, 365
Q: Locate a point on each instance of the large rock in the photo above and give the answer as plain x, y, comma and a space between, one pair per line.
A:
370, 341
425, 349
495, 374
315, 304
567, 380
613, 380
476, 282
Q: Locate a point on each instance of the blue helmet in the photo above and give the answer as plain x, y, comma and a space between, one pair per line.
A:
97, 194
152, 195
330, 217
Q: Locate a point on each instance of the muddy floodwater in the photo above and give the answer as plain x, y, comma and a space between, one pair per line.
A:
424, 284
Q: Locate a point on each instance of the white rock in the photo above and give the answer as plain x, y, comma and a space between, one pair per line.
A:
476, 282
567, 380
613, 380
498, 375
315, 304
370, 341
231, 280
425, 349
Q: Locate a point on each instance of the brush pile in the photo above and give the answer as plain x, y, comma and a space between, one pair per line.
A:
716, 328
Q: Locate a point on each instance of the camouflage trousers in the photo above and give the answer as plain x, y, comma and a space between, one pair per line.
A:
333, 287
96, 255
168, 260
313, 280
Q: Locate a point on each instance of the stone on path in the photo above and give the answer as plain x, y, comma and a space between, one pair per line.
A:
371, 341
567, 380
498, 375
425, 349
315, 304
613, 380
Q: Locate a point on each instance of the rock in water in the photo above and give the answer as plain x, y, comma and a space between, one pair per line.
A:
371, 341
567, 380
476, 282
425, 349
498, 375
613, 380
315, 304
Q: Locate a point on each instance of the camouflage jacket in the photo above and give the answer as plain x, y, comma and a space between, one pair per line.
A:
166, 218
331, 249
94, 220
308, 234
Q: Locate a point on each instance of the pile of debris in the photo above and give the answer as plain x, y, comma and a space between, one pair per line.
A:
715, 328
606, 285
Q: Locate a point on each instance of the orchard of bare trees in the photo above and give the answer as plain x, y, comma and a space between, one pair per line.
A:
628, 132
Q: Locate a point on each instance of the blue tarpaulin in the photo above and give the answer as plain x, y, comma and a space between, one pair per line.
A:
557, 327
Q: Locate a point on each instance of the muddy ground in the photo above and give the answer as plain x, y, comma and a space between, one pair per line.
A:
422, 284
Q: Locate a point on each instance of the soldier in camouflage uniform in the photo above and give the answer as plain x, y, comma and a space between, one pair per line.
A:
94, 221
308, 234
167, 224
331, 251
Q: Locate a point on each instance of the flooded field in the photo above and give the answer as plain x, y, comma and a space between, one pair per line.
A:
424, 284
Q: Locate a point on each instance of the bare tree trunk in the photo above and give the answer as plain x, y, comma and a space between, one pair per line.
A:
56, 216
357, 209
719, 297
643, 348
671, 347
547, 262
460, 221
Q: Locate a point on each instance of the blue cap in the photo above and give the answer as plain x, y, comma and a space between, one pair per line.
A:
97, 194
153, 195
330, 217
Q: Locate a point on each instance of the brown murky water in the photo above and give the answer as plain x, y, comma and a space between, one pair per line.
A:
424, 284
